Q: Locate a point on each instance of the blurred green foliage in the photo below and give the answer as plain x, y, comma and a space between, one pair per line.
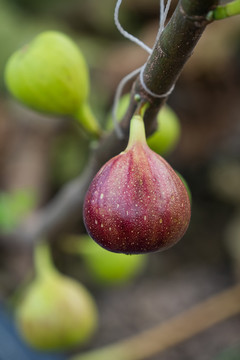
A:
69, 154
229, 354
13, 207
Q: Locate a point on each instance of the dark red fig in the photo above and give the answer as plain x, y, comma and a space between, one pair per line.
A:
136, 203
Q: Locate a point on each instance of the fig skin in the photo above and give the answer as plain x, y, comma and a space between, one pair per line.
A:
136, 203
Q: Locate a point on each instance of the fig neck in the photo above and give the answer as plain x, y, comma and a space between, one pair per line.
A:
137, 132
43, 261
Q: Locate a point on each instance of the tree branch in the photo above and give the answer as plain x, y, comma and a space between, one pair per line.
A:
161, 72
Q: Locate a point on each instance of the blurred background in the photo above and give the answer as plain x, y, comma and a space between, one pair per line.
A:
38, 155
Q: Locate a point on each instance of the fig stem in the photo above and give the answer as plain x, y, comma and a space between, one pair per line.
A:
224, 11
172, 332
142, 109
137, 132
86, 118
43, 260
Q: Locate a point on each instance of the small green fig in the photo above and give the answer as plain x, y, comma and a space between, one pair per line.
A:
105, 267
166, 137
50, 75
56, 312
168, 131
136, 203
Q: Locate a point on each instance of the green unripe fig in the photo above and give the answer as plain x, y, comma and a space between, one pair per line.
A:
56, 312
50, 75
165, 138
108, 268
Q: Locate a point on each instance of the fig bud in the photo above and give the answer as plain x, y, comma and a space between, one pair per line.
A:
56, 312
136, 203
50, 75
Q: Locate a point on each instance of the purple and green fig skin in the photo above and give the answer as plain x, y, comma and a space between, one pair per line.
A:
136, 203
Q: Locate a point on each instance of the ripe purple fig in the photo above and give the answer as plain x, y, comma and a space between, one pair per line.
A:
136, 203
